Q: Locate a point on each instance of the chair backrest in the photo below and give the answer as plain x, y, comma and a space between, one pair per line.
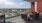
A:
23, 14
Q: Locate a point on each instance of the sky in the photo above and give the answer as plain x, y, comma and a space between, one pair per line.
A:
14, 4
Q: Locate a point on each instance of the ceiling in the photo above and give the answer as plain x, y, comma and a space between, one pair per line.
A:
33, 0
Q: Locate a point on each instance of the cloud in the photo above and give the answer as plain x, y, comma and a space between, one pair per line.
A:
22, 5
7, 4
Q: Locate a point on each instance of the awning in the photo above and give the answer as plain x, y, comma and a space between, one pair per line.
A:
33, 0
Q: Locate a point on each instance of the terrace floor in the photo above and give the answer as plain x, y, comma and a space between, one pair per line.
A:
19, 20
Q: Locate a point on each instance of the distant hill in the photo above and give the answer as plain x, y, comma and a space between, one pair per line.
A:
16, 8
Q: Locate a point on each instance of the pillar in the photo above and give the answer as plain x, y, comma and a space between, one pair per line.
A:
32, 7
39, 6
35, 6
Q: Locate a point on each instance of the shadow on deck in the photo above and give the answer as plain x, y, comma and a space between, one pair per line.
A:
34, 21
9, 22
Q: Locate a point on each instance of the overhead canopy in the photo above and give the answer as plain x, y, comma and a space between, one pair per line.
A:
29, 0
33, 0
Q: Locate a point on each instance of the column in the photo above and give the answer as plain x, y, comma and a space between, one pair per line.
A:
35, 6
32, 7
39, 6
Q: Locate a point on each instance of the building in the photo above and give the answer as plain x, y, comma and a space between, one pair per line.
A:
35, 8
